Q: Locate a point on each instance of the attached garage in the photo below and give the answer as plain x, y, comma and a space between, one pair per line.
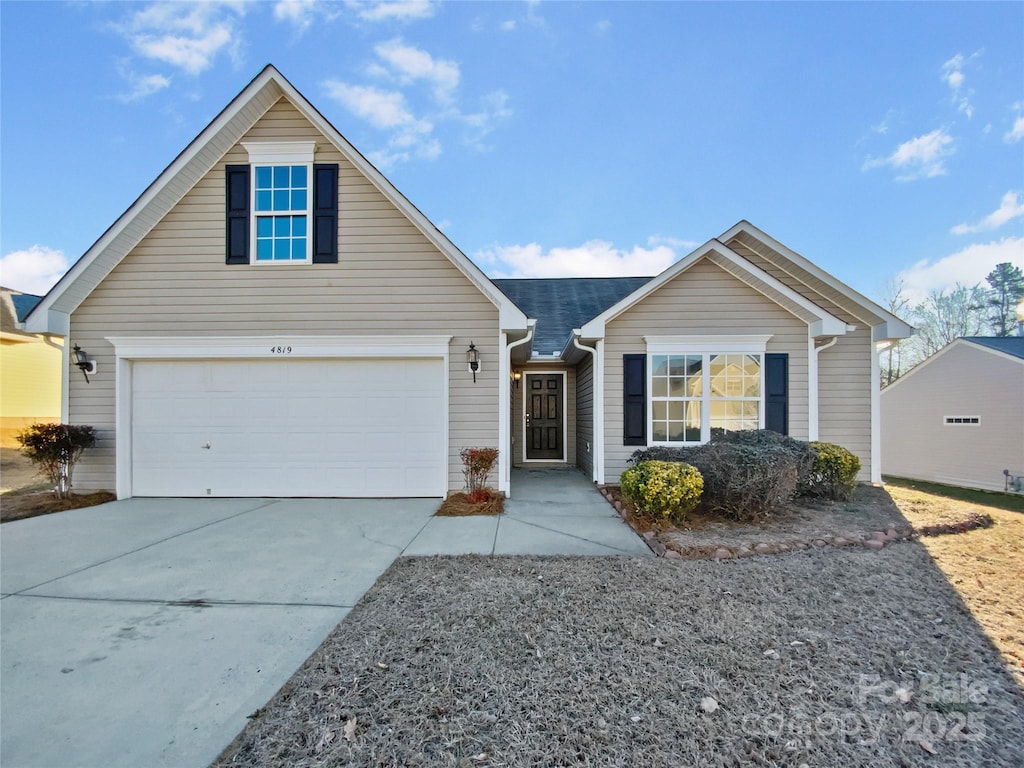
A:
297, 422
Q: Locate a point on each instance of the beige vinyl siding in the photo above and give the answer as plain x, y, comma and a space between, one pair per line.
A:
844, 399
29, 384
702, 300
966, 380
518, 398
389, 280
585, 415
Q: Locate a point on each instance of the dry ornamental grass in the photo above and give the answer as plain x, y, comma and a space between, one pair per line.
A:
854, 658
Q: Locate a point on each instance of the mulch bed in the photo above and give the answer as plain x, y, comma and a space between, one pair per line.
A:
21, 506
870, 519
854, 658
460, 505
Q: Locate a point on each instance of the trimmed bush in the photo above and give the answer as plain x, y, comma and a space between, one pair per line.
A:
801, 453
477, 464
660, 453
833, 474
55, 449
744, 482
663, 488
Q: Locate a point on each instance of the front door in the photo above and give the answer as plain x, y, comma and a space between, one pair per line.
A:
544, 417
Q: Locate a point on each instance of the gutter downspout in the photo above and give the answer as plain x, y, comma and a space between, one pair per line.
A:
596, 410
812, 389
65, 375
531, 323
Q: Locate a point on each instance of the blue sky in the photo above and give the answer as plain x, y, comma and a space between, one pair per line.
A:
554, 138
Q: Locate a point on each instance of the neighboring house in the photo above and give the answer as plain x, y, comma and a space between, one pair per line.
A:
958, 417
30, 369
272, 317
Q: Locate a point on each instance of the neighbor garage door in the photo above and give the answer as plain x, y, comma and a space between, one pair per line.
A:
322, 427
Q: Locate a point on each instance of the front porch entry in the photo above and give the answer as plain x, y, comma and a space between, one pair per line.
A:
544, 416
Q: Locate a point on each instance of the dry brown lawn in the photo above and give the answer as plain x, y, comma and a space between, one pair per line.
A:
985, 566
848, 657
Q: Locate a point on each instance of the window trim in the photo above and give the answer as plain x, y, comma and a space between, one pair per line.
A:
280, 153
705, 346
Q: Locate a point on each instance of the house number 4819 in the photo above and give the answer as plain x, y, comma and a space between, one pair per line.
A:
280, 350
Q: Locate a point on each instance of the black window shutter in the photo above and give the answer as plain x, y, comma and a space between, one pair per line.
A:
776, 393
325, 213
634, 399
237, 206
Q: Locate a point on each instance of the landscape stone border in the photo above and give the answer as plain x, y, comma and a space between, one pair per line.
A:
867, 539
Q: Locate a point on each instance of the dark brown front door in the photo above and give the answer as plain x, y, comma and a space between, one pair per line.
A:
544, 416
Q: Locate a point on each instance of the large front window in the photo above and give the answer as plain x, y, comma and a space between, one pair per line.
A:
281, 203
694, 394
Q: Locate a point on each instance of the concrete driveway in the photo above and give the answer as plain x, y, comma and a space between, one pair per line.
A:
143, 632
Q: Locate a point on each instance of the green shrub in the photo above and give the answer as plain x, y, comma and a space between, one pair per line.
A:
833, 474
663, 488
55, 449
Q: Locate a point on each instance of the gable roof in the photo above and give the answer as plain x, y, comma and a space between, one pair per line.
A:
885, 325
194, 162
1011, 348
561, 304
14, 305
821, 321
1008, 345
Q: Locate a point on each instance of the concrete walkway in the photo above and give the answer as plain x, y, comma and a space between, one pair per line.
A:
551, 512
143, 632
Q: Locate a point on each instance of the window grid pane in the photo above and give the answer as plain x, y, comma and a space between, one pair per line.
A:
678, 396
283, 192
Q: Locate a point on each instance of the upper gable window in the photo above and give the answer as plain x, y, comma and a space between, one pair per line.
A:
281, 201
281, 213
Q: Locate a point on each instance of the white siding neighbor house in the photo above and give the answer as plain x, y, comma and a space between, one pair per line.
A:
272, 317
958, 417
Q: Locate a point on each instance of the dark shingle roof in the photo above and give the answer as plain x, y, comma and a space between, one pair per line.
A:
24, 303
1008, 345
563, 303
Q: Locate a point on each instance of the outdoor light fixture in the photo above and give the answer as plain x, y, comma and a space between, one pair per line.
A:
516, 377
84, 362
473, 358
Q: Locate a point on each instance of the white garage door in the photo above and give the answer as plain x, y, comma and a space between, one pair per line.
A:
288, 428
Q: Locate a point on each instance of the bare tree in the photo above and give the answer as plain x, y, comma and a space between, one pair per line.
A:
891, 361
947, 315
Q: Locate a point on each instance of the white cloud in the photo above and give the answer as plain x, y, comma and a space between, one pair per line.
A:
602, 27
952, 73
302, 13
32, 270
1016, 133
143, 86
185, 35
411, 136
410, 64
1010, 207
920, 157
595, 258
508, 26
967, 267
400, 10
382, 109
675, 243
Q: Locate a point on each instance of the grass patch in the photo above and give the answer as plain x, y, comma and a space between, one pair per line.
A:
461, 505
823, 659
18, 506
1008, 501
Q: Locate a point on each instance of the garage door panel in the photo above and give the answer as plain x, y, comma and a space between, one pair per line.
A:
289, 428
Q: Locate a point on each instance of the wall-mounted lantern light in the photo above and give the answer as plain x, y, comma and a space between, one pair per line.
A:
85, 363
473, 358
516, 377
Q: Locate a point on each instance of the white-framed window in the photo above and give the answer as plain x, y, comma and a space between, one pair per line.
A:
281, 202
701, 384
974, 421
